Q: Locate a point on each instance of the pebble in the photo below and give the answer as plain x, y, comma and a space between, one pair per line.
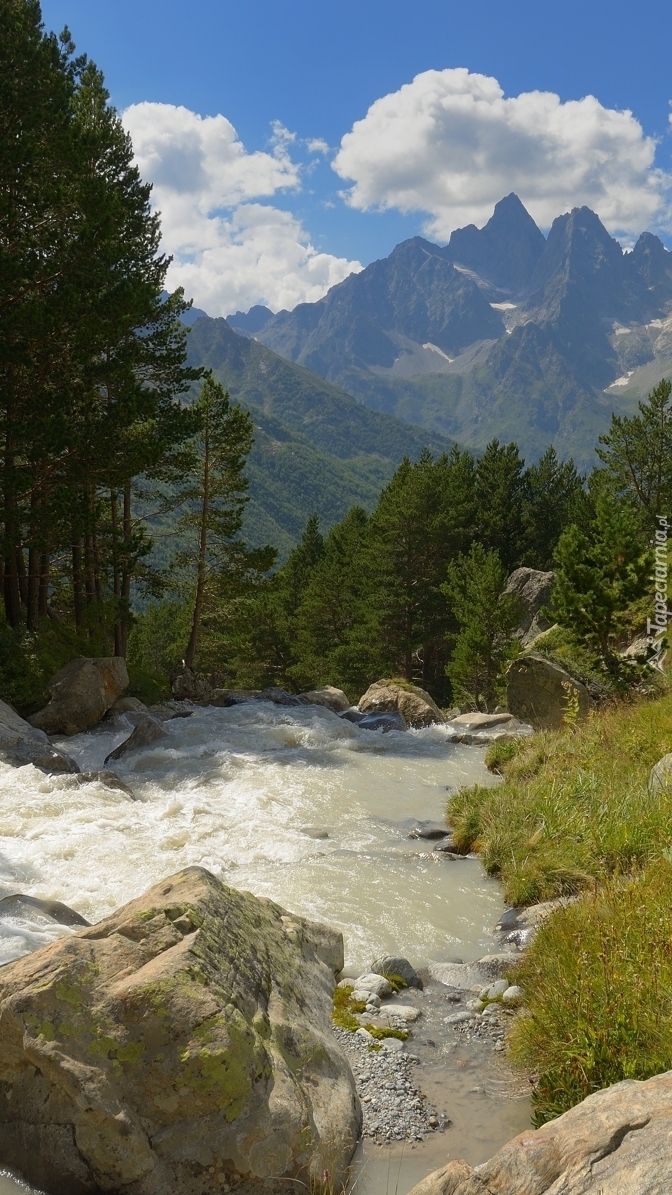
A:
393, 1105
512, 993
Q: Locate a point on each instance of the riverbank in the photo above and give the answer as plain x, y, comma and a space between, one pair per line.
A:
305, 808
575, 815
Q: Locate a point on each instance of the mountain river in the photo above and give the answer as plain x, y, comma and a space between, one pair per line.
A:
245, 792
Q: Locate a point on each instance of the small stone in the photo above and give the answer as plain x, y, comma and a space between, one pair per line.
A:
496, 989
371, 982
512, 994
405, 1012
364, 1034
459, 1018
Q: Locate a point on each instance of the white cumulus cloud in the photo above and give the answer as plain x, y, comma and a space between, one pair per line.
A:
451, 144
230, 250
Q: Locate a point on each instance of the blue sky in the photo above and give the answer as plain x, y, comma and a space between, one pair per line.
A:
273, 221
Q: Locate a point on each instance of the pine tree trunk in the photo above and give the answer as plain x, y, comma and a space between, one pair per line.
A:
116, 574
33, 617
190, 653
22, 575
43, 595
77, 584
126, 570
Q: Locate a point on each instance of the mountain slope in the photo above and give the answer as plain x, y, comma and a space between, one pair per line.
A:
316, 448
499, 333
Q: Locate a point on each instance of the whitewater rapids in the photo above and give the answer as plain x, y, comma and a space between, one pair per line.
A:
234, 790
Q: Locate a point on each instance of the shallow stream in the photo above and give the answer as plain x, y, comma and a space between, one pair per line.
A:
244, 792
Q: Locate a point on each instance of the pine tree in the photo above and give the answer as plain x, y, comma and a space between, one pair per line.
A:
501, 494
487, 619
637, 453
554, 498
598, 575
214, 495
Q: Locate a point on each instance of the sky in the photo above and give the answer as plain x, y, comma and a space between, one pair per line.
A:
290, 142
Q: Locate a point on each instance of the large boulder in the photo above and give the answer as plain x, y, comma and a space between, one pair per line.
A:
386, 696
334, 699
544, 694
180, 1046
616, 1142
534, 589
21, 743
81, 694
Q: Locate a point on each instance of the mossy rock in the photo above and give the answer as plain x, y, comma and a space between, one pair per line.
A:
182, 1043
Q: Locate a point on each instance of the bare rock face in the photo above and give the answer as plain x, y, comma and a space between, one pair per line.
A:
21, 743
416, 706
81, 694
616, 1142
544, 694
534, 588
182, 1044
334, 699
660, 776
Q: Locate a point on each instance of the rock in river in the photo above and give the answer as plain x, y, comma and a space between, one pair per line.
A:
21, 743
181, 1045
391, 964
416, 706
146, 731
616, 1142
81, 694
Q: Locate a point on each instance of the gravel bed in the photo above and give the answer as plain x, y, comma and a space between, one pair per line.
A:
491, 1027
394, 1107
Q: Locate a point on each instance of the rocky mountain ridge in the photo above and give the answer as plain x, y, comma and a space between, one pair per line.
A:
501, 332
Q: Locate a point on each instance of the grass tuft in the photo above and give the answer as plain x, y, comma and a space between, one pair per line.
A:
574, 807
598, 992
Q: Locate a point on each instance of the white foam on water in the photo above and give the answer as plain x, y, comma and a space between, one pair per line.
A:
230, 790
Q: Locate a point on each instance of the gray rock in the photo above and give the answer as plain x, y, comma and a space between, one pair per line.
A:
509, 919
543, 693
475, 728
428, 830
220, 1005
497, 965
534, 589
460, 1018
186, 686
404, 1012
384, 722
372, 983
21, 744
333, 699
281, 697
314, 832
364, 1034
413, 703
465, 976
81, 694
615, 1142
126, 705
393, 1045
495, 989
660, 776
55, 909
512, 994
391, 964
147, 731
108, 779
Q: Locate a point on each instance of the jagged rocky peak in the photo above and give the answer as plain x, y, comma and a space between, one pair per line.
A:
651, 261
578, 243
505, 251
250, 321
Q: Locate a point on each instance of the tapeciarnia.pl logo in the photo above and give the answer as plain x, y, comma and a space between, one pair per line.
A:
656, 627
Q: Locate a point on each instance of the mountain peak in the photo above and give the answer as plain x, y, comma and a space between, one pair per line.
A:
505, 251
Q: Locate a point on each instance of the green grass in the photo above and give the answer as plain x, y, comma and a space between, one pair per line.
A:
598, 992
574, 807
